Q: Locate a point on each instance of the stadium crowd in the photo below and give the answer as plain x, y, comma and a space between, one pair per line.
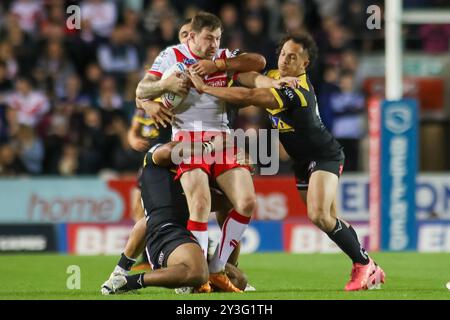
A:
67, 96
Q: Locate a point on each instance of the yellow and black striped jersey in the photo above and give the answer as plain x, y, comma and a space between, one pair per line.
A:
148, 129
297, 117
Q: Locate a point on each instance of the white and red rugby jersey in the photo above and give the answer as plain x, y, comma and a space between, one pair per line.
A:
198, 112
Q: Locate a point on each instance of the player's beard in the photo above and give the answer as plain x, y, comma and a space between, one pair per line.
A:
210, 54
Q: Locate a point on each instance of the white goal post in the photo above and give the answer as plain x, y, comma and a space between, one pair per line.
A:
395, 17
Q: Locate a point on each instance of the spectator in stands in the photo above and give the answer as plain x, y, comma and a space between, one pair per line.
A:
29, 13
10, 164
150, 56
123, 158
350, 62
56, 139
257, 8
21, 46
101, 15
54, 27
118, 57
53, 69
155, 11
6, 85
231, 26
92, 143
7, 56
68, 163
108, 98
255, 40
327, 89
292, 17
4, 132
338, 40
30, 149
348, 126
93, 76
167, 32
133, 27
73, 93
27, 105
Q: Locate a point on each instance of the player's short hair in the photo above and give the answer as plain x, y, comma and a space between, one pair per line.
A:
305, 40
205, 20
184, 22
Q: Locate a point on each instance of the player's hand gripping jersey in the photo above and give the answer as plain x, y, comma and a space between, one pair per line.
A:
198, 112
148, 129
201, 116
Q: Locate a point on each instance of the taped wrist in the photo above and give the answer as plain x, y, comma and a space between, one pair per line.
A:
221, 64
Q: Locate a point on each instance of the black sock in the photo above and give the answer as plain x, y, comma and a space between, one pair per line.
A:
346, 240
125, 262
356, 237
135, 281
353, 232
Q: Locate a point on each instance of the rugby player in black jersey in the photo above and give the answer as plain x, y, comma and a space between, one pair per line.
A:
176, 257
318, 157
143, 133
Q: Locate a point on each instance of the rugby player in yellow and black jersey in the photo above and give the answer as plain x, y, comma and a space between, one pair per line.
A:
317, 155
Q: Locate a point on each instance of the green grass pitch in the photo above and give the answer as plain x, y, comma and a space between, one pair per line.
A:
275, 275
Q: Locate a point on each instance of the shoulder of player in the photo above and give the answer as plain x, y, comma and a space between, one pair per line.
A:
221, 53
169, 51
273, 73
294, 95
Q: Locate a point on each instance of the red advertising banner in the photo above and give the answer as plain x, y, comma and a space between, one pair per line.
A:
278, 198
125, 188
95, 239
429, 91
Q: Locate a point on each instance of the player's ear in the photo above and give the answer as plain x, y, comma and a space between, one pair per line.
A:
191, 36
306, 63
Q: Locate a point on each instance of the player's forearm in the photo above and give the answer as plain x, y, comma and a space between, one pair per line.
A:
255, 80
246, 62
162, 156
259, 97
150, 89
261, 81
236, 96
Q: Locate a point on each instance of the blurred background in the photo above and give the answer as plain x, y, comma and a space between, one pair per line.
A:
67, 100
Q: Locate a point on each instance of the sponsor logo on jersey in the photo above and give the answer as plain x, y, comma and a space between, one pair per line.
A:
217, 83
189, 61
161, 258
289, 93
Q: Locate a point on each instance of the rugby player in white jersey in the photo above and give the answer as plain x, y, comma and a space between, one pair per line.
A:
199, 118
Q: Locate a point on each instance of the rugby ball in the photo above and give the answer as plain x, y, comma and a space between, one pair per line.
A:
170, 99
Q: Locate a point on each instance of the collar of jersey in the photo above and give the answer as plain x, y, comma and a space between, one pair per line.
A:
192, 53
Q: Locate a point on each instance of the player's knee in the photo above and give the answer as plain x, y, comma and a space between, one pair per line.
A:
247, 205
320, 217
201, 203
